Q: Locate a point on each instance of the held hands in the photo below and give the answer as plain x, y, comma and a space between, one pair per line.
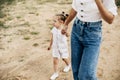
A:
67, 35
64, 30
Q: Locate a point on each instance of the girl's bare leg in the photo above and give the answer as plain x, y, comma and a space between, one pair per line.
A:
66, 60
68, 67
55, 64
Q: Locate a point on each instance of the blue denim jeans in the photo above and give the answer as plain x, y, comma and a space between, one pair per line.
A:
85, 45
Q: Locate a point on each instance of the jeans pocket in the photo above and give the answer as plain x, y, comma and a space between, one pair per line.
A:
93, 33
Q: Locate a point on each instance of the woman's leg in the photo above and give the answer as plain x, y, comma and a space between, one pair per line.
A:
87, 70
76, 55
91, 42
76, 48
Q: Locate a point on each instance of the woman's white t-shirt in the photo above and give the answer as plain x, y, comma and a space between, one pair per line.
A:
87, 10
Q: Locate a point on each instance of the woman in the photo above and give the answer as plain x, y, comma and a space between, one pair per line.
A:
86, 34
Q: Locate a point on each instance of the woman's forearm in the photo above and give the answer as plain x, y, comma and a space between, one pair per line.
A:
106, 15
70, 17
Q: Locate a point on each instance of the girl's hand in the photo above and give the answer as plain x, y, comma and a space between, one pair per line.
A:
49, 48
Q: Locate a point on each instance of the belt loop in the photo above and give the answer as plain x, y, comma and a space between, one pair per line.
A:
85, 24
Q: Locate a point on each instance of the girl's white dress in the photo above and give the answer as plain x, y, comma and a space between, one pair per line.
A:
60, 45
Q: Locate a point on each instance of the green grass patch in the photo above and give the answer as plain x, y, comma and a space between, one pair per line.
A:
18, 17
35, 44
8, 2
50, 27
5, 27
34, 33
26, 38
31, 12
37, 14
47, 40
21, 60
9, 18
25, 24
1, 23
2, 15
45, 1
2, 26
117, 2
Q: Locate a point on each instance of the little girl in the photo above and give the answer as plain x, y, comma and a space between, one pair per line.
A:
59, 45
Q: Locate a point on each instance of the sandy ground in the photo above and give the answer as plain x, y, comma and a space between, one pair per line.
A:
25, 38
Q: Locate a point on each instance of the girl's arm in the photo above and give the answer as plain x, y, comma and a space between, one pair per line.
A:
106, 15
51, 41
68, 20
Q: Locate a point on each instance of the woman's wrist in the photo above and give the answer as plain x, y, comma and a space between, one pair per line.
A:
65, 27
